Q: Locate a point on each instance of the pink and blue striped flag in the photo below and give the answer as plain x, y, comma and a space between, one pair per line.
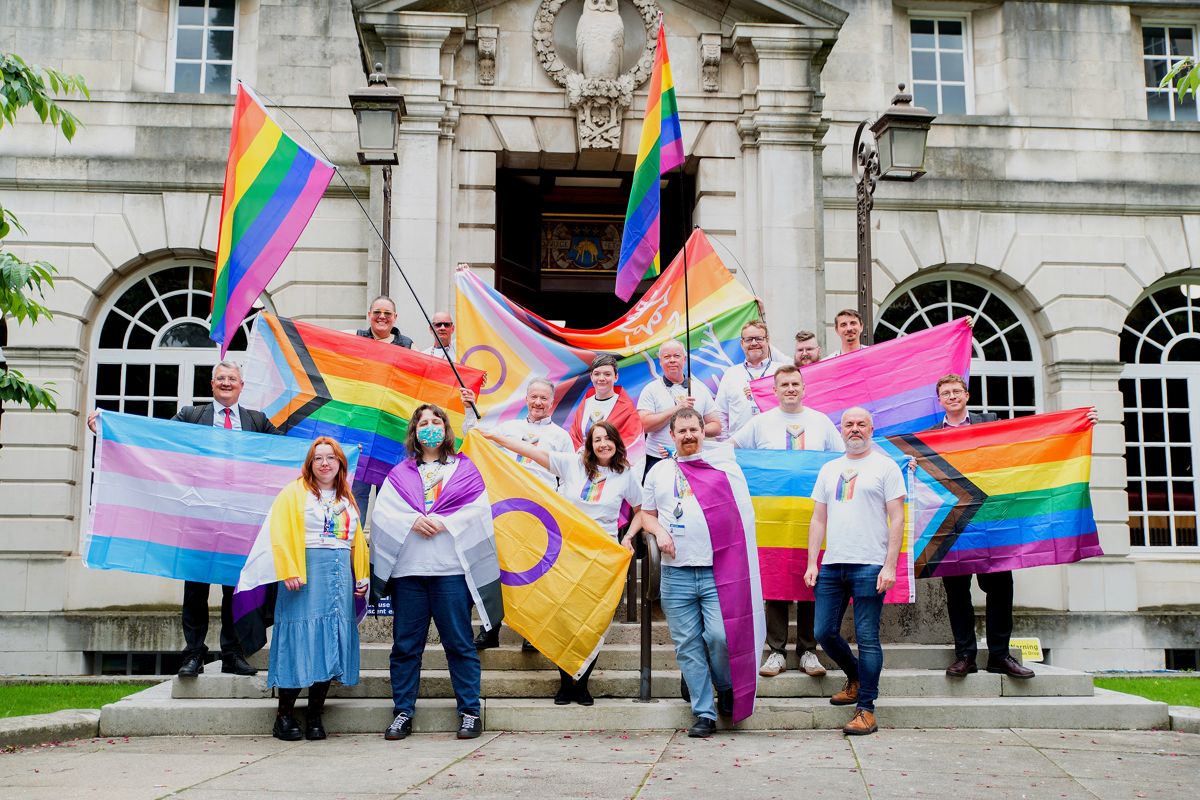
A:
895, 380
660, 150
272, 187
184, 501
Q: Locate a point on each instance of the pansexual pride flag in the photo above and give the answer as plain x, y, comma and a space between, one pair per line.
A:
1002, 495
894, 380
560, 573
272, 187
311, 381
660, 150
183, 501
781, 485
514, 345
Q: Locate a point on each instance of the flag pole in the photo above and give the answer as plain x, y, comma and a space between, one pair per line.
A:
687, 319
386, 247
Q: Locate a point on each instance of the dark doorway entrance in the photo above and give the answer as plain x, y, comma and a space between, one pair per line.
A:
558, 238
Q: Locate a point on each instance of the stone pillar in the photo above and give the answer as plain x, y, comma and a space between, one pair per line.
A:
781, 130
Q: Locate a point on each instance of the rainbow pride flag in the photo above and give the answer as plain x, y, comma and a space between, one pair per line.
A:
1001, 495
311, 381
272, 187
895, 380
513, 345
183, 501
561, 575
660, 150
781, 485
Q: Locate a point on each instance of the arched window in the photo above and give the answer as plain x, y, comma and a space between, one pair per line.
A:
1004, 372
1160, 345
152, 354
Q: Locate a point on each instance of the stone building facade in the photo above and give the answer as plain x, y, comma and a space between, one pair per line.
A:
1059, 209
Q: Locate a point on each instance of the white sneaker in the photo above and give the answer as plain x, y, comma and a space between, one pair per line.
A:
810, 664
774, 665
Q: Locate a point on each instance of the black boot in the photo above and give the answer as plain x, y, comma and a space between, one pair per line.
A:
566, 689
582, 695
313, 729
486, 640
286, 727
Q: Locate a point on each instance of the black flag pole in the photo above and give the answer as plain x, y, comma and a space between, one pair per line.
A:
387, 248
687, 317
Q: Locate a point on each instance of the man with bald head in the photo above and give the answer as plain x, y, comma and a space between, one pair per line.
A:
859, 517
442, 328
672, 391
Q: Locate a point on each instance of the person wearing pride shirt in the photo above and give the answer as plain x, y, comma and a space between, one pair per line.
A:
859, 517
735, 406
790, 426
661, 398
608, 401
599, 481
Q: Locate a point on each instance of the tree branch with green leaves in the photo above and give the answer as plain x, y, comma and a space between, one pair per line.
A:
1184, 78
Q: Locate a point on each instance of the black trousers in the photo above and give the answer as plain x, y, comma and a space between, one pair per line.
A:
195, 621
998, 618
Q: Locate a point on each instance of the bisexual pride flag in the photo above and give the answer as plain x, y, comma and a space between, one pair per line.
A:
895, 380
183, 501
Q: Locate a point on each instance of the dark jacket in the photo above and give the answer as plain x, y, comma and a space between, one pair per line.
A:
400, 339
976, 419
253, 421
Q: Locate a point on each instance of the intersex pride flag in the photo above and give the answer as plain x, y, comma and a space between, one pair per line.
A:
1001, 495
781, 485
894, 380
560, 573
183, 501
311, 381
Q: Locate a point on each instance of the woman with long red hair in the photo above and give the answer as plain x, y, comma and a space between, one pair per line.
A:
313, 543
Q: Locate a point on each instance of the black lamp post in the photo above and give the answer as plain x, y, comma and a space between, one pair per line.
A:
894, 152
379, 109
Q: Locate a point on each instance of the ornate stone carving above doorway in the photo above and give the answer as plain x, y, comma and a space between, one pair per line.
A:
604, 39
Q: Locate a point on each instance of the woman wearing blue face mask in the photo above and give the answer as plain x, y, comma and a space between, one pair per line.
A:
434, 554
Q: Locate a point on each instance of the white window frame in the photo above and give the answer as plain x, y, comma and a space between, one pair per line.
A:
1172, 98
968, 57
1190, 372
172, 44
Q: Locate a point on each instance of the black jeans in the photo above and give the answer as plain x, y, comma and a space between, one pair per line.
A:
195, 621
998, 618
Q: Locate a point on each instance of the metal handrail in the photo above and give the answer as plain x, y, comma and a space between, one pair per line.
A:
651, 576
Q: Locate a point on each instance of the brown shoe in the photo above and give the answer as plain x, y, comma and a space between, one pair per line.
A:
848, 696
862, 724
961, 668
1011, 668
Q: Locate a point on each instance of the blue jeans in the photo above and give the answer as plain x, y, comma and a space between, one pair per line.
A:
447, 599
836, 584
689, 601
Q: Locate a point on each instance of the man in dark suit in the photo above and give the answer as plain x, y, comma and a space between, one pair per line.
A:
223, 412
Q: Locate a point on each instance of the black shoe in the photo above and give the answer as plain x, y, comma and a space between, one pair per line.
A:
962, 667
400, 728
471, 727
703, 728
313, 729
486, 640
583, 696
286, 728
237, 665
191, 667
725, 702
526, 646
564, 695
683, 691
1011, 668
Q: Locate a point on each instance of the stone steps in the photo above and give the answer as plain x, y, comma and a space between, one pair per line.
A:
155, 712
516, 683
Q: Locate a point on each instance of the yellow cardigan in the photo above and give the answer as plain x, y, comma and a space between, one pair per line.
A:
287, 536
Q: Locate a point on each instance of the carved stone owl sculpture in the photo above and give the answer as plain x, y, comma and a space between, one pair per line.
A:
600, 39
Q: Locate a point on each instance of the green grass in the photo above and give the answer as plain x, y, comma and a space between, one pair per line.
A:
1175, 691
19, 699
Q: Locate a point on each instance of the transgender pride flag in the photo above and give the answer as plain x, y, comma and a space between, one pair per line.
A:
183, 501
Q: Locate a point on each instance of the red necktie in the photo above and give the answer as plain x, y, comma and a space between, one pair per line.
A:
228, 420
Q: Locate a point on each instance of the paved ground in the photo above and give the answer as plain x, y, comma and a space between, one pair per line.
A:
658, 765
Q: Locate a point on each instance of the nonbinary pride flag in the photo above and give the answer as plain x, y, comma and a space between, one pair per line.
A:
660, 150
560, 573
895, 380
272, 187
781, 485
183, 501
311, 381
1002, 495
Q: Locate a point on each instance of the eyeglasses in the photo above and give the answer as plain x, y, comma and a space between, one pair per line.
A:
754, 339
386, 314
951, 393
443, 324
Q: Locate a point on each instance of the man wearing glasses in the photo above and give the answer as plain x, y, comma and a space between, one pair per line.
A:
734, 405
442, 327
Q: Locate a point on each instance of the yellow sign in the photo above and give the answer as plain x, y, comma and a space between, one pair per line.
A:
1031, 648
